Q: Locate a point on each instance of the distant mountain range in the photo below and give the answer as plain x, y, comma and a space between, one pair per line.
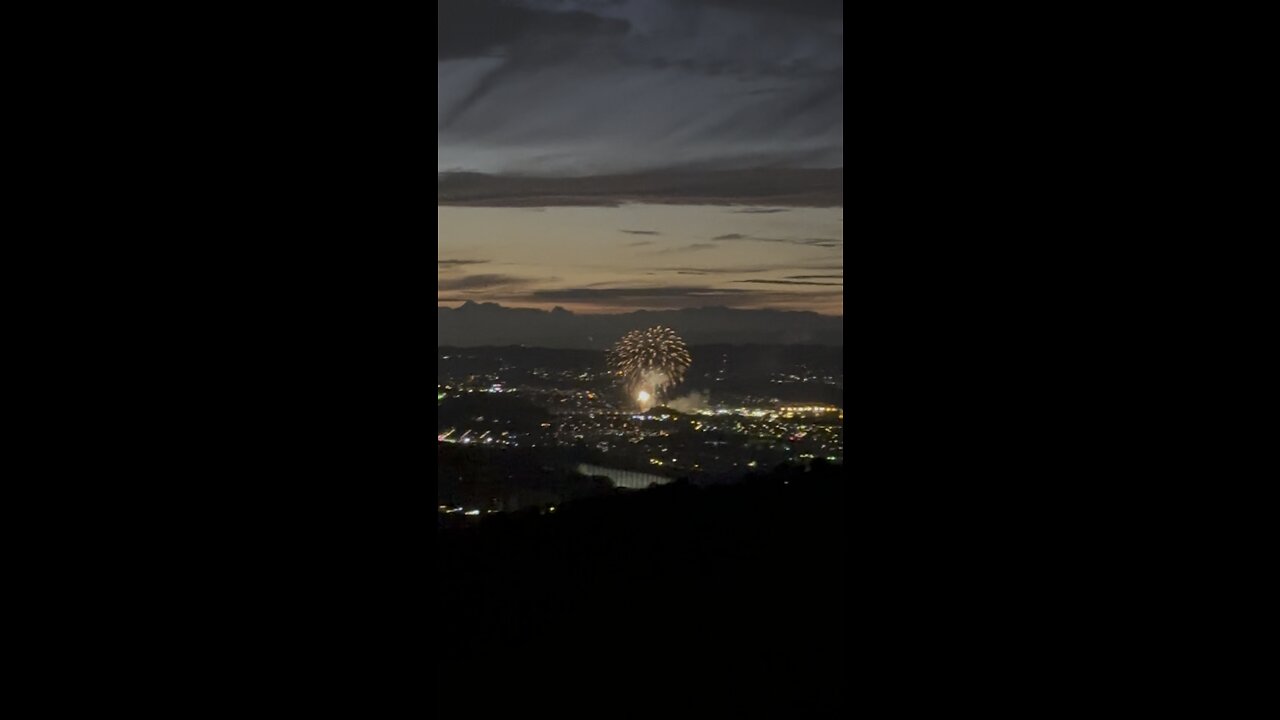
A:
772, 186
481, 324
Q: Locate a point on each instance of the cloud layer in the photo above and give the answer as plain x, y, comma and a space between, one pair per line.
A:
580, 87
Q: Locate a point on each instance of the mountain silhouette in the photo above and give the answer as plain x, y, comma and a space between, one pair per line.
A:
486, 324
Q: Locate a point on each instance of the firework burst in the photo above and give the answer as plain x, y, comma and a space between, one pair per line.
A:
649, 362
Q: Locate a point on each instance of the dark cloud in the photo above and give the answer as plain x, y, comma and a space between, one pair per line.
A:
523, 37
479, 282
694, 247
812, 242
667, 297
578, 87
474, 28
789, 187
789, 282
641, 243
760, 211
820, 242
641, 232
638, 293
713, 271
693, 270
458, 263
827, 9
815, 277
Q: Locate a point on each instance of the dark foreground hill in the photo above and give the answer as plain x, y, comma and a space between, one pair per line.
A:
724, 599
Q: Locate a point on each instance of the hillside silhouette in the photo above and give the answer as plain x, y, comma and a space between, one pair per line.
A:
724, 598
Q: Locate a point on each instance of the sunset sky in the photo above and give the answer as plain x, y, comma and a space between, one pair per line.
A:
643, 256
589, 88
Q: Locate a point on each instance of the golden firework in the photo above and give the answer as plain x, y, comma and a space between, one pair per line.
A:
650, 361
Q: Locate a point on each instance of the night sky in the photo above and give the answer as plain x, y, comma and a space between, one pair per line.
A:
607, 87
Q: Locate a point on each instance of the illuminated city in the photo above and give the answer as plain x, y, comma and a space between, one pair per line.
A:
567, 409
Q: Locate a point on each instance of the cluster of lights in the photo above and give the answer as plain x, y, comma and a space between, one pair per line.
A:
459, 509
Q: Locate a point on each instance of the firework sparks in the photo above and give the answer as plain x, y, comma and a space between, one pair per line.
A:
649, 362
